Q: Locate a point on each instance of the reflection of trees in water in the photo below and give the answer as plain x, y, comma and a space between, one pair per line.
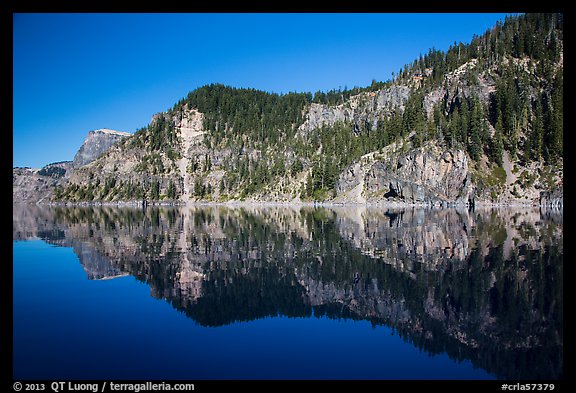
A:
483, 285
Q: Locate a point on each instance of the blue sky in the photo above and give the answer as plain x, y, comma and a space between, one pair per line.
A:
73, 73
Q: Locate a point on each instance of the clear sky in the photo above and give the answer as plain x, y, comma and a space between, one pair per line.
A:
73, 73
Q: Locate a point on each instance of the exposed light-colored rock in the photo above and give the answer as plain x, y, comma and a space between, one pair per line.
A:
429, 175
189, 123
360, 109
36, 185
97, 143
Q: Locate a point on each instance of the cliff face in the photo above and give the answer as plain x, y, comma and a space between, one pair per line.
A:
97, 143
459, 86
361, 109
137, 168
179, 159
430, 175
365, 109
36, 185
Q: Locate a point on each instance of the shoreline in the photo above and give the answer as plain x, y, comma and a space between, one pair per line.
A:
236, 203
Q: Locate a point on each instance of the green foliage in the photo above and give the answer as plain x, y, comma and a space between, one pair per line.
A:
496, 148
155, 190
231, 113
296, 167
151, 164
493, 182
553, 121
159, 139
171, 190
536, 36
499, 174
172, 154
526, 179
57, 193
110, 189
52, 171
199, 188
547, 176
513, 110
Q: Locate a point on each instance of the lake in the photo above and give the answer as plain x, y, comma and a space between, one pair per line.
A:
214, 292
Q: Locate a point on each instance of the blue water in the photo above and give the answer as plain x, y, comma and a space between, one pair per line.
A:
69, 327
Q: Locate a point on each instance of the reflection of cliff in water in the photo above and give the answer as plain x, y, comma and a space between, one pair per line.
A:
483, 285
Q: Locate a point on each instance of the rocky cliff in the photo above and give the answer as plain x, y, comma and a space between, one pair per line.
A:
141, 167
97, 143
182, 156
361, 110
429, 175
36, 185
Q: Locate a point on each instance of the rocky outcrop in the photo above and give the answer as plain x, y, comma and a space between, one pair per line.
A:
190, 125
430, 175
129, 167
362, 109
458, 87
36, 185
97, 143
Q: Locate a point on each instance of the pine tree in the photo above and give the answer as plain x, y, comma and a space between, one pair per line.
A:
496, 148
155, 191
453, 129
475, 141
557, 118
464, 124
199, 188
536, 136
296, 167
171, 191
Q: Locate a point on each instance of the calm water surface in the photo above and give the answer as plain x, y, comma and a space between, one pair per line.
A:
287, 293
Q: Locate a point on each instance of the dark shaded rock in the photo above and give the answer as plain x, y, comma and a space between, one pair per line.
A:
427, 175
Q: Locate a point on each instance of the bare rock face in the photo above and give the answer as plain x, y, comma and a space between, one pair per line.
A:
97, 143
457, 87
36, 185
425, 176
361, 109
